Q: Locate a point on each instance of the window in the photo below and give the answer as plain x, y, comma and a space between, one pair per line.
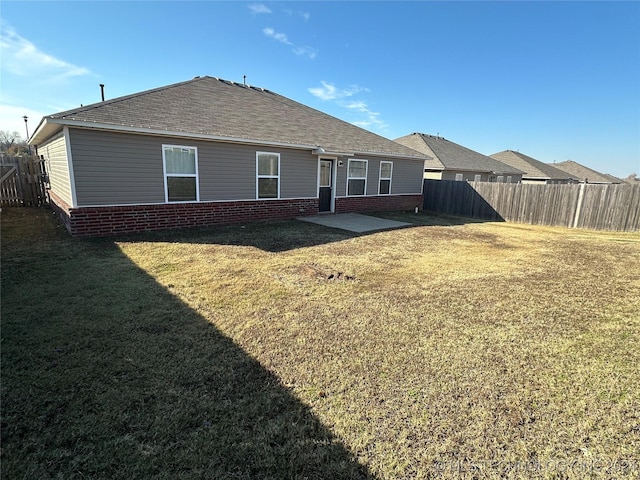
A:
357, 177
268, 175
459, 177
509, 179
325, 173
384, 186
500, 179
477, 178
180, 173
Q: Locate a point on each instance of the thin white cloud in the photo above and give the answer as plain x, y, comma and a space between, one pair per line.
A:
307, 51
21, 57
372, 122
258, 8
359, 106
369, 119
329, 91
305, 15
280, 37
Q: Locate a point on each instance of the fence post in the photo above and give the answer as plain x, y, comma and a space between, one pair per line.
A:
579, 205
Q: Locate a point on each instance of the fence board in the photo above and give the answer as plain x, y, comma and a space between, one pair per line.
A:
23, 181
593, 206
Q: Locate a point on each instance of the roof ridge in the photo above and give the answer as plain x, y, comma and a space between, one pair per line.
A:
580, 165
92, 106
198, 78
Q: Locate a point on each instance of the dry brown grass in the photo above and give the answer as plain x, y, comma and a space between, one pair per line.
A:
446, 350
486, 344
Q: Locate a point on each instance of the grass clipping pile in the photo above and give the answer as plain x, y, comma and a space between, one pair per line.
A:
286, 350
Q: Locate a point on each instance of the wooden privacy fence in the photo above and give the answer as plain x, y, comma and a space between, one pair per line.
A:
594, 206
23, 182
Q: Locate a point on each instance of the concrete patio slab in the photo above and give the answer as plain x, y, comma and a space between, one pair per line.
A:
354, 222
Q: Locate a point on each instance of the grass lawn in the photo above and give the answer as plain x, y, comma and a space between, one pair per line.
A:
290, 350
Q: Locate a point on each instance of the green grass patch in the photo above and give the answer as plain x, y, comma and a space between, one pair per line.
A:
290, 350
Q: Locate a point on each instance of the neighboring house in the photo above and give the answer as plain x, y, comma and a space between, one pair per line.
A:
534, 170
450, 161
209, 151
585, 174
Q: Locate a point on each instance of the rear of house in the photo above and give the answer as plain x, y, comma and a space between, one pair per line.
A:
210, 151
535, 171
450, 161
585, 174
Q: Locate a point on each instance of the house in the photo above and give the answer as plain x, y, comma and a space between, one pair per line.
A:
585, 174
534, 170
450, 161
210, 151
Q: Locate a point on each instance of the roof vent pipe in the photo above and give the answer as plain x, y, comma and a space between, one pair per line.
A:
102, 91
244, 80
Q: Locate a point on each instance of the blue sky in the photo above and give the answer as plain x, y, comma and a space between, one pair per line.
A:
554, 80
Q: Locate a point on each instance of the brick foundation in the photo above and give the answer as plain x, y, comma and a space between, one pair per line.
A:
105, 221
379, 203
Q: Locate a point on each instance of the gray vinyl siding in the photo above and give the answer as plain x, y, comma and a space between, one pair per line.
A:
228, 171
54, 151
116, 169
406, 176
341, 176
122, 169
298, 174
468, 175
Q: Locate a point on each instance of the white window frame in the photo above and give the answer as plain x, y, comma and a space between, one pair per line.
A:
500, 179
459, 177
380, 177
183, 175
477, 177
258, 176
509, 179
366, 172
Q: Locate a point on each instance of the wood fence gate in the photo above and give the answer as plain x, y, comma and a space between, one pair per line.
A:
23, 182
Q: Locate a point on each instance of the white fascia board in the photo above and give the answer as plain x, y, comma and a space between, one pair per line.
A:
45, 129
72, 176
394, 155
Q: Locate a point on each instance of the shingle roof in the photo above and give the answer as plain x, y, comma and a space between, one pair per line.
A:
447, 155
534, 169
213, 107
585, 173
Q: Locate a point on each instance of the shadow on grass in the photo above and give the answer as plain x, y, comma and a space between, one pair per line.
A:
283, 235
270, 236
108, 375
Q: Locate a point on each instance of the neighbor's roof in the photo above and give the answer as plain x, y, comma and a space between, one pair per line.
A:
585, 173
447, 155
216, 109
534, 169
